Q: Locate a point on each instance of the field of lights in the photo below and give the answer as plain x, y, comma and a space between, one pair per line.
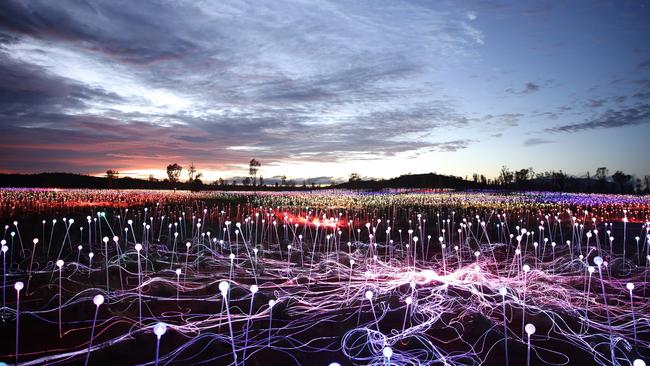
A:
324, 278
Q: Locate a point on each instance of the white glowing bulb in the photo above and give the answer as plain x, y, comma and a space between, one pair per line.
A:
598, 260
98, 300
530, 329
223, 287
159, 329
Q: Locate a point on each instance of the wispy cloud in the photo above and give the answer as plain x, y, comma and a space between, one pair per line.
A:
534, 141
528, 88
643, 65
612, 118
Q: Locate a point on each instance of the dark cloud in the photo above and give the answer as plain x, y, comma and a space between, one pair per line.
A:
451, 146
528, 88
629, 116
533, 141
505, 119
596, 103
643, 65
642, 95
28, 89
140, 35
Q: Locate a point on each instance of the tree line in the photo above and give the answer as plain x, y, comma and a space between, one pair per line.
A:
175, 173
521, 179
190, 178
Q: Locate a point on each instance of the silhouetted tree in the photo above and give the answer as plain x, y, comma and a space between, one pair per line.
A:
253, 167
111, 175
246, 181
558, 179
521, 176
192, 173
505, 176
601, 173
283, 180
152, 178
354, 177
621, 179
174, 172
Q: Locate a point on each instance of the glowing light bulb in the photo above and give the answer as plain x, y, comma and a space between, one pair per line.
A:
530, 329
598, 261
159, 329
223, 287
98, 300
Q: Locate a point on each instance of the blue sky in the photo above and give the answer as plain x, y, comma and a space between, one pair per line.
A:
322, 89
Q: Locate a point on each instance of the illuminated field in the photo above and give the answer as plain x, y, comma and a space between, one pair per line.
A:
313, 278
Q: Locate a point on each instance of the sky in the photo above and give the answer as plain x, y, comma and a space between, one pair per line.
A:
320, 89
